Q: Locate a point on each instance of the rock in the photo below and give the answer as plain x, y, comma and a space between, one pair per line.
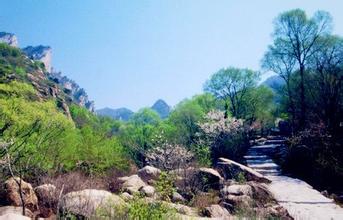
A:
239, 201
45, 192
261, 194
182, 209
177, 197
86, 202
13, 194
15, 210
227, 165
9, 39
148, 173
216, 211
41, 53
132, 184
11, 216
237, 190
47, 199
209, 179
148, 191
126, 196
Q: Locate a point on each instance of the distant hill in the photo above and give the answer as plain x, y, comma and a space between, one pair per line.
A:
123, 114
162, 108
274, 82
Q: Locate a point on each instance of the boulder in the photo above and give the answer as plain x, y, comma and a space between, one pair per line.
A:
239, 201
209, 178
237, 190
149, 173
87, 202
216, 211
177, 197
182, 209
12, 194
148, 191
227, 166
45, 192
15, 210
132, 184
12, 216
126, 196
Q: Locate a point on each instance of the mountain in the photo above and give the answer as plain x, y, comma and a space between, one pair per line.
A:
274, 82
32, 65
123, 114
162, 108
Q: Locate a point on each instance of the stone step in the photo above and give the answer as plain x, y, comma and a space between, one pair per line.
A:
269, 172
274, 142
259, 161
247, 157
265, 166
263, 147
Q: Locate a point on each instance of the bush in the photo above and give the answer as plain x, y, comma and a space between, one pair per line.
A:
165, 186
140, 209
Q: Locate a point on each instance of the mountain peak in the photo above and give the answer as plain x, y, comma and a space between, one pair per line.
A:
162, 108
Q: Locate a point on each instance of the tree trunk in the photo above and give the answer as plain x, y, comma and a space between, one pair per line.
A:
302, 119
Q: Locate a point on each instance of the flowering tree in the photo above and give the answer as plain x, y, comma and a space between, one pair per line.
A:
167, 156
224, 136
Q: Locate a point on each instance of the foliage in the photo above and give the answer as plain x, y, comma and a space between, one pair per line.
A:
165, 186
232, 86
168, 156
226, 137
145, 116
16, 89
309, 60
140, 209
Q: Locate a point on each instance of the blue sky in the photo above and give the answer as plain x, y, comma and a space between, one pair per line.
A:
130, 53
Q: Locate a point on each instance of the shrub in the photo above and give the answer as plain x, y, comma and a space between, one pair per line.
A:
140, 209
165, 186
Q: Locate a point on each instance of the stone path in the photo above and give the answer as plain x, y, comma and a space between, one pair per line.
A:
299, 198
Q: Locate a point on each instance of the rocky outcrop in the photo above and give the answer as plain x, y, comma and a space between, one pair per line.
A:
77, 94
227, 166
40, 53
9, 39
87, 202
148, 191
12, 193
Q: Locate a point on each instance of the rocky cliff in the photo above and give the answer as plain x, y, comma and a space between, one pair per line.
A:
41, 53
9, 39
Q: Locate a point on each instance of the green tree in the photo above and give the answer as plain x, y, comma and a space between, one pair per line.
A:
232, 85
295, 36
